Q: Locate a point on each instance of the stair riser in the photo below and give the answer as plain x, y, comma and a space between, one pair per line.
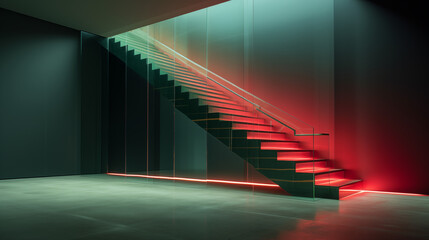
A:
269, 163
253, 127
222, 105
280, 146
333, 175
190, 88
212, 99
196, 85
233, 112
281, 174
253, 153
208, 94
168, 93
267, 136
350, 189
239, 119
284, 156
303, 189
311, 164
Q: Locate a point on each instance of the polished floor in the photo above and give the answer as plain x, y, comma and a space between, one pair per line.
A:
111, 207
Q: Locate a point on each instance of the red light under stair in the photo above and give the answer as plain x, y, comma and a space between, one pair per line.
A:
195, 180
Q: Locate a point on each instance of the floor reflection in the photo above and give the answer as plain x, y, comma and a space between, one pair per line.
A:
109, 207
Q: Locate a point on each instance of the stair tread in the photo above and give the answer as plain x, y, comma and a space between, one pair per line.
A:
337, 182
234, 118
318, 170
304, 160
233, 112
200, 88
281, 149
213, 99
209, 94
254, 127
292, 150
280, 141
223, 105
292, 159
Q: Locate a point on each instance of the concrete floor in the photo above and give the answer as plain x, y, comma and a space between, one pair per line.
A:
110, 207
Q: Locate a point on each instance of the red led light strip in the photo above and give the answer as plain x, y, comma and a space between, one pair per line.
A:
383, 192
195, 180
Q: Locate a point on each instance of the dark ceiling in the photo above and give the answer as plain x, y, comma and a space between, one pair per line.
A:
105, 17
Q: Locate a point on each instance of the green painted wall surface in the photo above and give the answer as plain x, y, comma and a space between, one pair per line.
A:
40, 104
50, 99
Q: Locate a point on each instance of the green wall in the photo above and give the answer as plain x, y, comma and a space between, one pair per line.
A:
41, 103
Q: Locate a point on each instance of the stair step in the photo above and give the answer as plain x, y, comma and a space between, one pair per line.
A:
194, 83
279, 145
351, 187
213, 99
232, 112
311, 164
295, 155
231, 118
194, 79
177, 75
266, 136
318, 170
336, 182
165, 64
223, 105
337, 188
200, 88
174, 66
153, 54
174, 70
303, 160
187, 74
157, 58
208, 94
253, 127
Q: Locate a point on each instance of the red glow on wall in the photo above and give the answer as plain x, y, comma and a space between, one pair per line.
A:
195, 180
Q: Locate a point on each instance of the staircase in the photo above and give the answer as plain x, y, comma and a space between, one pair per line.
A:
248, 133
